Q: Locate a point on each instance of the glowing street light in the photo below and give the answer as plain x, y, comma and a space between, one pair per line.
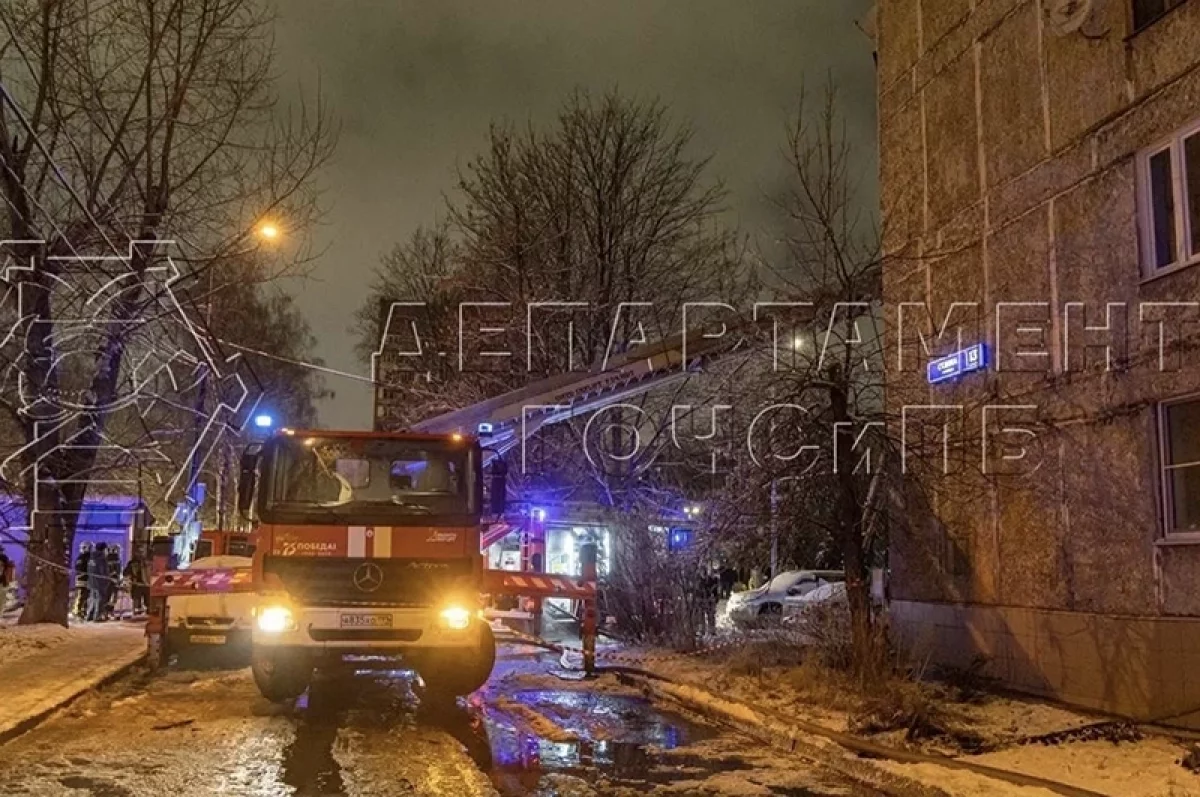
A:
268, 231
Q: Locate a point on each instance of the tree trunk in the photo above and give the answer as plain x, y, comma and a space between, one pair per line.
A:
60, 471
47, 585
47, 580
850, 516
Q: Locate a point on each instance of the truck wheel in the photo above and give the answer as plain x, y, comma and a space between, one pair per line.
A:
456, 673
280, 677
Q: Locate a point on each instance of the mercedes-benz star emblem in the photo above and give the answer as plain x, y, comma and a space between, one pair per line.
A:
368, 577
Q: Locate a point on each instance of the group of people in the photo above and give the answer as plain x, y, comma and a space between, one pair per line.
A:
100, 580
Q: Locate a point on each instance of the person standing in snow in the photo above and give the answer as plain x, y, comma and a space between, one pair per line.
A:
81, 580
139, 586
728, 579
112, 556
98, 583
709, 594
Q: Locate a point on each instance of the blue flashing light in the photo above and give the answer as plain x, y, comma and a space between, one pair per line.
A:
679, 539
263, 421
539, 514
972, 358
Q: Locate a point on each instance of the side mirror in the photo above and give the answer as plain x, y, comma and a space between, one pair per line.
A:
247, 481
498, 492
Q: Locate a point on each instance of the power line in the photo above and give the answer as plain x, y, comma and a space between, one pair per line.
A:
301, 363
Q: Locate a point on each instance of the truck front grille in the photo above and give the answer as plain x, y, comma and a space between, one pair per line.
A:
326, 581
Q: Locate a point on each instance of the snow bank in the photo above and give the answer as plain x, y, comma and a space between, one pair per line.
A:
21, 641
1145, 768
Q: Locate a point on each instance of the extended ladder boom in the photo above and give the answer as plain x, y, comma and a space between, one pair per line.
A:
520, 413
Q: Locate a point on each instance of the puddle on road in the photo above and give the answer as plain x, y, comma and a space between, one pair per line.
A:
376, 699
618, 738
308, 762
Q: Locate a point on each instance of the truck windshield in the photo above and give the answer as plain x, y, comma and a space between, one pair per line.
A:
343, 477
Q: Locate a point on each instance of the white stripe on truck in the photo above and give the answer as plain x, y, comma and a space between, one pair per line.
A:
356, 542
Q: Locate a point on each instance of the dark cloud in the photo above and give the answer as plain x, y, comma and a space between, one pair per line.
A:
416, 84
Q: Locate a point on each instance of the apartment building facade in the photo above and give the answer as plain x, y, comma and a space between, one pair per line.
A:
1040, 162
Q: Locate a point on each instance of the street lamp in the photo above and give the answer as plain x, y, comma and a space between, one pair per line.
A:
268, 231
263, 421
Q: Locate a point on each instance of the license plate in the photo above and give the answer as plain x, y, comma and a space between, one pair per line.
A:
366, 621
207, 639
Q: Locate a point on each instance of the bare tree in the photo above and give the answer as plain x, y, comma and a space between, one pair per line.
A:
125, 125
606, 206
832, 462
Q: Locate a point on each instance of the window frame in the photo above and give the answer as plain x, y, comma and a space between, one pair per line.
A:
1184, 256
1166, 502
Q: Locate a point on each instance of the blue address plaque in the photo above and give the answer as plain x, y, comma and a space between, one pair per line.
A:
972, 358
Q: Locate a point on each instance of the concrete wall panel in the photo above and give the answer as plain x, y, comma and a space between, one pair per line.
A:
1014, 119
952, 149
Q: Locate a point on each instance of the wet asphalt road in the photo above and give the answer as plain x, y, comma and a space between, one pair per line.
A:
207, 732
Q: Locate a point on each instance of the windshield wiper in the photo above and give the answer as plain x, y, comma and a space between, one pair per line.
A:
396, 501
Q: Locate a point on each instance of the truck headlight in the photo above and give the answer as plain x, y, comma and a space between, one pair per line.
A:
456, 618
275, 619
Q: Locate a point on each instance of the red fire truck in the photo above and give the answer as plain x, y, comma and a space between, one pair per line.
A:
366, 545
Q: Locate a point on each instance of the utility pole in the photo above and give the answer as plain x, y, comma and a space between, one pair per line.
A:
774, 527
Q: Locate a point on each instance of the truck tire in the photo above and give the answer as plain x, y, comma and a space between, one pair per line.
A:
280, 677
457, 672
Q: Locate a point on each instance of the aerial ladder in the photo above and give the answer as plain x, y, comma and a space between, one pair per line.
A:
504, 421
513, 417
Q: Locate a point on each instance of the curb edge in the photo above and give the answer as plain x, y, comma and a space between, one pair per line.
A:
34, 720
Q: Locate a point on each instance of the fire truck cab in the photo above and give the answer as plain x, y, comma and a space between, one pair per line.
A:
367, 549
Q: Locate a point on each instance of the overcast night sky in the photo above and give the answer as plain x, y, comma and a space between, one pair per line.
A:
415, 85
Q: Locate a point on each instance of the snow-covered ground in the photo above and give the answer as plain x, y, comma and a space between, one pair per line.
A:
20, 641
1127, 762
1146, 768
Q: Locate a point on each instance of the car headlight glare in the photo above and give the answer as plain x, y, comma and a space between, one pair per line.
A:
456, 618
275, 619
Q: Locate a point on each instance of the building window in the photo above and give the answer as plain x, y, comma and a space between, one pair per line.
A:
1179, 431
1169, 202
1147, 11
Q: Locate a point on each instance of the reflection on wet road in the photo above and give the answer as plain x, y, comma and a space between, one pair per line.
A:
528, 734
608, 736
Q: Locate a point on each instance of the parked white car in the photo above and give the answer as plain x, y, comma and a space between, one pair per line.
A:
770, 599
829, 593
215, 620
